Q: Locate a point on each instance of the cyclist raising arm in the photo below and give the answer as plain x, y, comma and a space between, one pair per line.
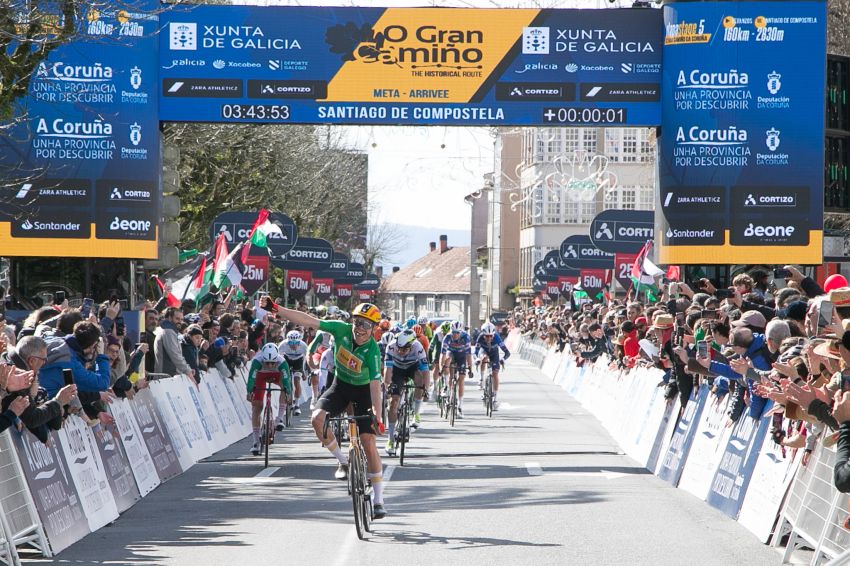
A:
490, 341
357, 381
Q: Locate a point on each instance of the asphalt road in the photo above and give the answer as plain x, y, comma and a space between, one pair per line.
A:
540, 483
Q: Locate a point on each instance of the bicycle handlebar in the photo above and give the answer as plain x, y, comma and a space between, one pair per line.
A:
347, 418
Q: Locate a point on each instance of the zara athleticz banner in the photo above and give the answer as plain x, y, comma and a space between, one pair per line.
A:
80, 168
741, 155
410, 65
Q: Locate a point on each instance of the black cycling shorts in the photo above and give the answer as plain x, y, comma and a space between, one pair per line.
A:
337, 397
400, 377
295, 365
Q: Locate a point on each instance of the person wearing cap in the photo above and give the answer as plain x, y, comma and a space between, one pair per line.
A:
754, 320
600, 343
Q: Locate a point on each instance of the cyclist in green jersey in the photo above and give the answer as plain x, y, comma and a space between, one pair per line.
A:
357, 382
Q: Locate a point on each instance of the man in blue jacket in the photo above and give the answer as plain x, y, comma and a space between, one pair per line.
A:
77, 352
753, 347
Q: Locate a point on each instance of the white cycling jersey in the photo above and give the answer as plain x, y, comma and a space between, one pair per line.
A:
415, 356
296, 352
326, 365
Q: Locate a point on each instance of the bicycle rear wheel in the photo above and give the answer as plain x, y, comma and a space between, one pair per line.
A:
287, 417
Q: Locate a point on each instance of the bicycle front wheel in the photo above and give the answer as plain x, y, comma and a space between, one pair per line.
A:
354, 486
402, 433
453, 402
488, 395
266, 433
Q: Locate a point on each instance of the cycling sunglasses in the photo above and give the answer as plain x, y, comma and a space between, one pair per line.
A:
363, 324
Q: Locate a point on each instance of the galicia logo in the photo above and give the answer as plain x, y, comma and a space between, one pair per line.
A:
535, 41
135, 134
773, 84
182, 36
135, 78
772, 140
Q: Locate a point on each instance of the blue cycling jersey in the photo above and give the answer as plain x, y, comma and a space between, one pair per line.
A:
494, 345
458, 344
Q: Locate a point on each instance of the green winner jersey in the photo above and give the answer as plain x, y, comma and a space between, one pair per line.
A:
357, 366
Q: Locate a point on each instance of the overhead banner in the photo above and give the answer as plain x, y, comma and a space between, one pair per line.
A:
236, 227
343, 290
622, 231
553, 289
741, 155
81, 167
313, 254
593, 281
623, 269
312, 65
566, 284
553, 265
337, 269
355, 274
578, 252
370, 282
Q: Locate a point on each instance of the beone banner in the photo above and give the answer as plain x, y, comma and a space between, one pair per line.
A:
313, 254
578, 252
81, 167
622, 231
410, 65
236, 227
741, 155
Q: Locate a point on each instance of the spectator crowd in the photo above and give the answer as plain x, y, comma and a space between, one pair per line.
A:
778, 336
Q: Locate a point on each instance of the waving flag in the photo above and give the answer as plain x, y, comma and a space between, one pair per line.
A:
185, 281
229, 270
644, 272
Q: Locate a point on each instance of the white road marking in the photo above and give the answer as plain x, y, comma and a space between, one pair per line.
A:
266, 472
534, 469
350, 542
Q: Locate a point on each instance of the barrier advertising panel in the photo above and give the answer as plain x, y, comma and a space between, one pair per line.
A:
81, 168
741, 155
117, 467
137, 451
410, 65
52, 488
672, 463
156, 438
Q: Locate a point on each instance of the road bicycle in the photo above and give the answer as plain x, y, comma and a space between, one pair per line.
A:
267, 430
488, 390
359, 486
453, 392
405, 412
440, 390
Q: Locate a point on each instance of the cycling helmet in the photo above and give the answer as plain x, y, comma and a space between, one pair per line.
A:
410, 322
488, 329
405, 339
387, 338
417, 330
368, 311
344, 315
423, 320
396, 328
293, 336
446, 327
384, 325
269, 353
457, 326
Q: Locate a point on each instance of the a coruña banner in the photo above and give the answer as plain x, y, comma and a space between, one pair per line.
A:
741, 155
298, 283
